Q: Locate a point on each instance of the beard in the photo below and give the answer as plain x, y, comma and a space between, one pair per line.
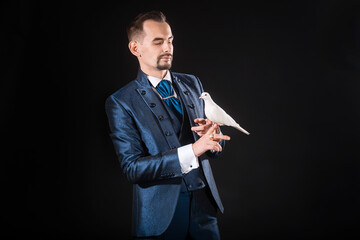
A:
163, 66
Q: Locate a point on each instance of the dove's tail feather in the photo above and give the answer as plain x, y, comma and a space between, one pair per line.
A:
237, 126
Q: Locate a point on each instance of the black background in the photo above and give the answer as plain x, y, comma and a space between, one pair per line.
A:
287, 71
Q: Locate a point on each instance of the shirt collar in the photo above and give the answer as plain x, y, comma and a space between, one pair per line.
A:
155, 81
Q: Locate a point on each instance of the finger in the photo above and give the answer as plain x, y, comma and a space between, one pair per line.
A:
200, 120
208, 121
221, 137
197, 128
216, 147
220, 148
212, 128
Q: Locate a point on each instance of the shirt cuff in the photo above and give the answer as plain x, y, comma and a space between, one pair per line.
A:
187, 158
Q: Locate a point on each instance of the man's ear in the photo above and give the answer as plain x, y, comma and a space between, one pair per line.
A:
133, 46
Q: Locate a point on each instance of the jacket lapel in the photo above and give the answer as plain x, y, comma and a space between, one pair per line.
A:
188, 99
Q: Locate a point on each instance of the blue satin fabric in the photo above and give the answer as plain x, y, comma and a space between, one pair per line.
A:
194, 218
146, 143
165, 90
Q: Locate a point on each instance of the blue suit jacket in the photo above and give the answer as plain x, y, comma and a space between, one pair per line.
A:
146, 145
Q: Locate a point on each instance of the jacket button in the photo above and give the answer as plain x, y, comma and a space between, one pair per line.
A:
191, 105
186, 92
152, 105
143, 92
178, 80
167, 133
173, 147
161, 117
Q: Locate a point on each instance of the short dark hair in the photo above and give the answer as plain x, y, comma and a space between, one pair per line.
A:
135, 28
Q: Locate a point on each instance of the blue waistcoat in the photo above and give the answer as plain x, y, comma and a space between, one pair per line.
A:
195, 179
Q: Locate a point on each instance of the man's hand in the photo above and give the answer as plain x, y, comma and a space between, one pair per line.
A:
204, 125
209, 141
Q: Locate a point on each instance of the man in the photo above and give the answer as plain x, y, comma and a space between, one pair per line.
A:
163, 141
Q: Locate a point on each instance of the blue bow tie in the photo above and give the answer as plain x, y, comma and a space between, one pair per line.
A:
167, 92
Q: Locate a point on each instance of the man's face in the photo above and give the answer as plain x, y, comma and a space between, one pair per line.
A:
156, 49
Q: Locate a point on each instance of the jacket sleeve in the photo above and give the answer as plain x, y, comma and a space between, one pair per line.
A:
137, 165
212, 154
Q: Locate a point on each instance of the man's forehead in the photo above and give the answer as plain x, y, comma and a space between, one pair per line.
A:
156, 29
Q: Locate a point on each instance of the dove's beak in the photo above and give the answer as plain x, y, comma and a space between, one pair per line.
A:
200, 97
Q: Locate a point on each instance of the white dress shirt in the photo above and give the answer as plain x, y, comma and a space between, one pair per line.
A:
187, 158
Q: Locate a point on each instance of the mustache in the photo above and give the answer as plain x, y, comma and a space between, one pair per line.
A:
165, 54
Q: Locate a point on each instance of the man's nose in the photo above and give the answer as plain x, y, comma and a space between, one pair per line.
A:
167, 47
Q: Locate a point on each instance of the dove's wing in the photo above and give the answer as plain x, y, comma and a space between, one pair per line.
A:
216, 114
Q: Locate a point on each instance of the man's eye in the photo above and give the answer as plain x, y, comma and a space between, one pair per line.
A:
158, 43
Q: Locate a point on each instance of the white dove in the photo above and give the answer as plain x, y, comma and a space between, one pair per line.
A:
217, 115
